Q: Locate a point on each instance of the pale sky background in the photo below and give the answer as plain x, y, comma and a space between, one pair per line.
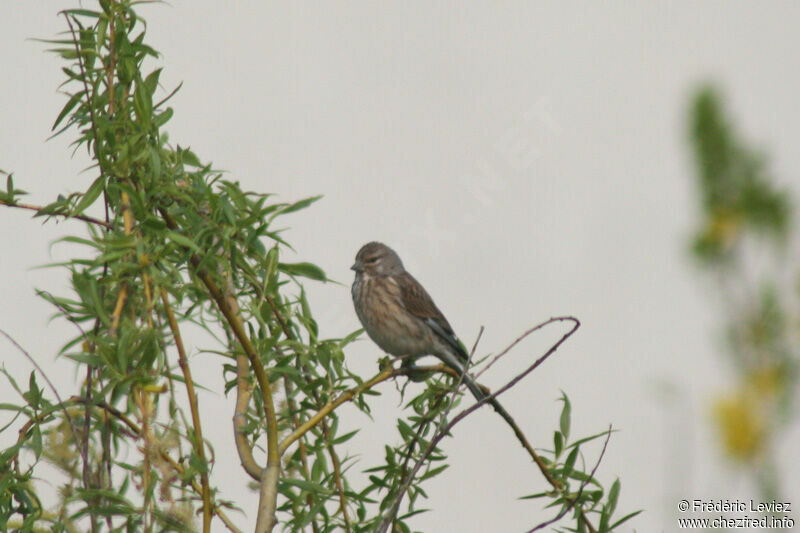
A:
525, 159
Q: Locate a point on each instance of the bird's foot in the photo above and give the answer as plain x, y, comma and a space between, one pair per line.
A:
413, 372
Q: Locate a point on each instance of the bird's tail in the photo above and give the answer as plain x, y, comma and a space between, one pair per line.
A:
473, 387
479, 393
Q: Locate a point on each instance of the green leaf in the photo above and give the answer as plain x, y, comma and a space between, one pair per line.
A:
344, 438
350, 338
74, 99
535, 496
270, 265
34, 394
324, 356
564, 421
197, 463
143, 104
90, 195
558, 442
624, 519
182, 240
303, 484
151, 82
569, 464
11, 380
433, 472
613, 495
306, 270
36, 441
302, 204
163, 117
82, 13
590, 438
187, 157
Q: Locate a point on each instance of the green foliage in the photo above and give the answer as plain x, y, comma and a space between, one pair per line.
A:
739, 199
737, 192
178, 249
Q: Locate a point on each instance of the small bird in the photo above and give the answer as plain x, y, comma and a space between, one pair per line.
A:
399, 315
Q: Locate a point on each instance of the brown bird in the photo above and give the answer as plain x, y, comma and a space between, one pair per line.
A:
399, 314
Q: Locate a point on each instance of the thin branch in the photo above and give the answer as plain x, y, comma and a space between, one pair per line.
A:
337, 472
84, 218
123, 292
68, 419
244, 391
199, 445
325, 410
348, 395
82, 68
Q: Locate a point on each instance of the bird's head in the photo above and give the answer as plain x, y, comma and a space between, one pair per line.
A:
377, 259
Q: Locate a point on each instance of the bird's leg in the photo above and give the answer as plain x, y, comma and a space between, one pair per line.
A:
414, 374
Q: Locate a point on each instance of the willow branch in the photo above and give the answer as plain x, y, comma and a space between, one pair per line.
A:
244, 392
269, 494
199, 445
325, 410
84, 218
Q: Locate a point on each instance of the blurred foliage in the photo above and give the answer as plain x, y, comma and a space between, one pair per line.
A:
738, 195
182, 260
746, 216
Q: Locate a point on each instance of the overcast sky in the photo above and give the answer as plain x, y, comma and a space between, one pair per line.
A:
525, 159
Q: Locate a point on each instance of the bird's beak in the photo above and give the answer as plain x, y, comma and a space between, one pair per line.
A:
358, 266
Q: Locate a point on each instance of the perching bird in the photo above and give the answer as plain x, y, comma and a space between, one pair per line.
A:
399, 315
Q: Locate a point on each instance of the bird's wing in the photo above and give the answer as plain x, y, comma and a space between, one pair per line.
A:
418, 302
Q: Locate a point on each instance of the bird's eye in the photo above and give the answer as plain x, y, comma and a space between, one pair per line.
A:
371, 261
